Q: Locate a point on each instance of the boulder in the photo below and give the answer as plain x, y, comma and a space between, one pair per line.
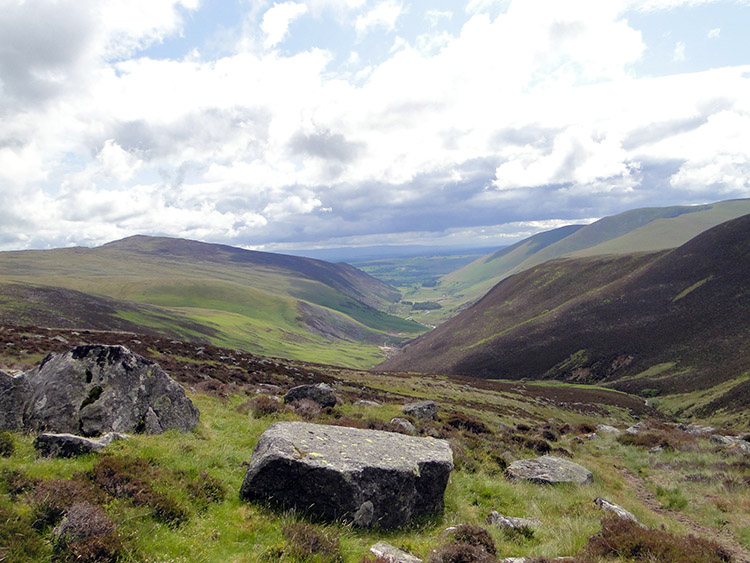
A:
322, 393
14, 392
696, 429
617, 510
497, 519
606, 429
94, 389
549, 470
731, 443
336, 473
70, 445
636, 428
403, 425
421, 409
392, 554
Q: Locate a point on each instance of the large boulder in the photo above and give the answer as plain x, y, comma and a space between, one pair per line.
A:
13, 394
321, 393
94, 389
549, 470
368, 477
421, 409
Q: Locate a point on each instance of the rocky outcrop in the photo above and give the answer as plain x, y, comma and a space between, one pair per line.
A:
731, 443
606, 429
321, 393
384, 550
368, 477
70, 445
549, 470
13, 394
421, 409
94, 389
617, 510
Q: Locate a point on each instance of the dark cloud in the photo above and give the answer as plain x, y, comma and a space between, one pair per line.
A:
41, 47
325, 145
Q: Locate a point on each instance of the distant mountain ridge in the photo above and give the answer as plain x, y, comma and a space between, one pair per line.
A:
267, 303
665, 322
637, 230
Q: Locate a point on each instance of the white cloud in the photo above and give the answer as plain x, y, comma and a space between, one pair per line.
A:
714, 33
679, 52
383, 15
276, 21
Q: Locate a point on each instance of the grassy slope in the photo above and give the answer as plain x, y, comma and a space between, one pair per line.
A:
638, 230
612, 319
229, 530
253, 301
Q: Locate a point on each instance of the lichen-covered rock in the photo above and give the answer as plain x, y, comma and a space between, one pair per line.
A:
392, 554
516, 523
549, 470
606, 429
403, 425
617, 510
94, 389
334, 472
14, 392
421, 409
321, 393
733, 444
70, 445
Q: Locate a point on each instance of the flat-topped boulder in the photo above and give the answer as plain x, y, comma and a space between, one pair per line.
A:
549, 470
94, 389
70, 445
321, 393
421, 409
369, 477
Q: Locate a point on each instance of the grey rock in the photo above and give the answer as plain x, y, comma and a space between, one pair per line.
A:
404, 425
267, 389
14, 392
636, 428
421, 409
696, 429
70, 445
94, 389
321, 393
497, 519
532, 559
617, 510
364, 403
392, 554
549, 470
365, 516
732, 444
606, 429
331, 471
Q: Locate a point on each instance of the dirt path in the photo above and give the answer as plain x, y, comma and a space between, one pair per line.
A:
723, 537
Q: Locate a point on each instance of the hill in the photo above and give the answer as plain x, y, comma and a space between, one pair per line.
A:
637, 230
262, 302
660, 324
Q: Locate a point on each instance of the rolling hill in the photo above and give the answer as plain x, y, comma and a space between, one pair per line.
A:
638, 230
659, 323
260, 302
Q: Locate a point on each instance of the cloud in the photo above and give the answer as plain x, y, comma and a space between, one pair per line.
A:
383, 15
679, 52
276, 21
714, 33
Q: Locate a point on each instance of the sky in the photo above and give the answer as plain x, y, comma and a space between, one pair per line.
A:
324, 123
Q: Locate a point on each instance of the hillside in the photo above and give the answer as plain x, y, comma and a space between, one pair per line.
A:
659, 324
262, 302
637, 230
174, 496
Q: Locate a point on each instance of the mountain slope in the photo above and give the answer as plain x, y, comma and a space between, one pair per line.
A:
638, 230
262, 302
666, 322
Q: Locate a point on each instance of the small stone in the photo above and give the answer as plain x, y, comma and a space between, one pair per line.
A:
392, 554
606, 429
365, 403
403, 425
497, 519
617, 510
364, 517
